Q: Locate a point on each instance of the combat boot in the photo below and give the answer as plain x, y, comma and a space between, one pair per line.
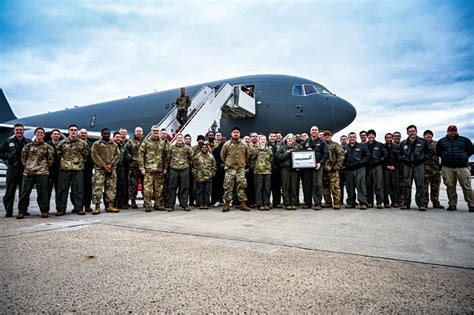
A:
110, 208
337, 206
438, 206
243, 206
226, 206
327, 205
81, 212
96, 209
134, 204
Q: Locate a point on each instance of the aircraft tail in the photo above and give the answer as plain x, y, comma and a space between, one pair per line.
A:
6, 112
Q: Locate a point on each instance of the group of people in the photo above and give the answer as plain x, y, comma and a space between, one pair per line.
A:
249, 172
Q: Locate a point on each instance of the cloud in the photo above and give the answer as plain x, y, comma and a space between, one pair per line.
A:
397, 62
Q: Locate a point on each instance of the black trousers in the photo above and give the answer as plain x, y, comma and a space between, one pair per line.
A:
276, 187
182, 117
203, 192
263, 185
218, 186
250, 190
14, 179
342, 183
75, 180
52, 182
178, 179
122, 187
41, 182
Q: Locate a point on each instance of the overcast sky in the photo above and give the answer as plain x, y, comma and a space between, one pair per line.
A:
397, 62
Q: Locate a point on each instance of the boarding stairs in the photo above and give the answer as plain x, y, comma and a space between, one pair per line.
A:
207, 108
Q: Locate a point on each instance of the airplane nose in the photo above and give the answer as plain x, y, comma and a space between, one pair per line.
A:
344, 114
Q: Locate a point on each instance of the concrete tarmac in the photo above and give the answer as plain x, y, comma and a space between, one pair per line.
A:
209, 261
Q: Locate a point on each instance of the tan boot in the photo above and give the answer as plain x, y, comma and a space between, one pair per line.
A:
111, 208
226, 206
96, 209
134, 204
243, 206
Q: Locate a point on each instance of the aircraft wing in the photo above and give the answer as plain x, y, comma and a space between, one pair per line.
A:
6, 131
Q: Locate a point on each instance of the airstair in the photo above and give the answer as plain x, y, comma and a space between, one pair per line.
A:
207, 108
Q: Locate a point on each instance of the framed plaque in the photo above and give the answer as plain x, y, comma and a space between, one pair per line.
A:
303, 159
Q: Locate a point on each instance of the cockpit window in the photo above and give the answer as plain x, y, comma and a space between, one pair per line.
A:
298, 90
310, 89
323, 90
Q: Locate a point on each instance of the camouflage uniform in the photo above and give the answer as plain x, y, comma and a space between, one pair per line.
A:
204, 169
132, 149
104, 153
332, 166
261, 166
235, 154
37, 157
153, 158
432, 178
180, 159
182, 105
73, 154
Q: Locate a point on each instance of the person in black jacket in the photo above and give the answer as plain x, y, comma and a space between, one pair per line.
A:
356, 159
375, 176
413, 152
10, 153
455, 151
313, 178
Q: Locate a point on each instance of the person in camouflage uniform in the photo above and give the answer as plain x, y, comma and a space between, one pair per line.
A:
54, 168
235, 154
73, 153
332, 166
121, 190
36, 157
105, 155
204, 169
153, 164
182, 104
180, 160
432, 174
261, 160
132, 148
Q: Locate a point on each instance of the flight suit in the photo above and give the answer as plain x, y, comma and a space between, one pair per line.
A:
10, 153
391, 180
356, 159
276, 176
413, 156
312, 178
121, 195
289, 175
375, 176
